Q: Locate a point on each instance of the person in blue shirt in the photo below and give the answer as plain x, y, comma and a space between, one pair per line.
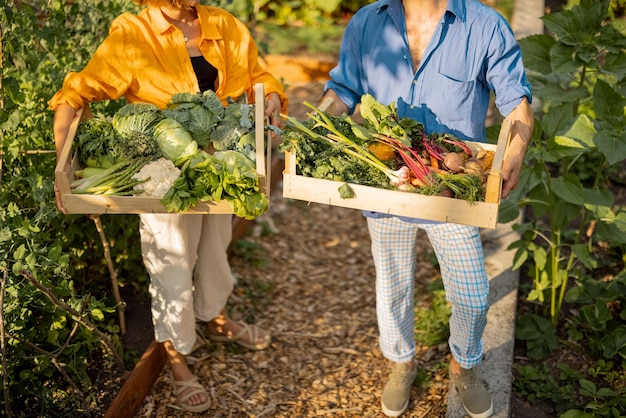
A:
438, 61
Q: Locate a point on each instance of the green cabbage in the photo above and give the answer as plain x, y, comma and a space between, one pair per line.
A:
175, 142
136, 117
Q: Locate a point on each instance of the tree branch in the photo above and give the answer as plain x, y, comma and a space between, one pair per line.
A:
75, 315
107, 255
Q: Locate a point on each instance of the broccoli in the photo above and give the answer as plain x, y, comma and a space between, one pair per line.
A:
135, 144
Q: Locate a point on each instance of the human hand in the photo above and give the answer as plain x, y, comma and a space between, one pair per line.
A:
57, 196
273, 108
511, 170
521, 131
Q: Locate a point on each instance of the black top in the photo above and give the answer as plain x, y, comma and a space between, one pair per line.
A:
205, 73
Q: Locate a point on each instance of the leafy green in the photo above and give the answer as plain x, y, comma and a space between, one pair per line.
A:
384, 120
225, 175
175, 141
136, 117
93, 140
241, 185
133, 145
319, 158
236, 131
199, 113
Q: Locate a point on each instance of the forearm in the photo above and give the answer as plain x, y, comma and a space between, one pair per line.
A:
522, 120
63, 117
337, 107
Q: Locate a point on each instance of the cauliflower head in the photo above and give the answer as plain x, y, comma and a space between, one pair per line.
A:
160, 174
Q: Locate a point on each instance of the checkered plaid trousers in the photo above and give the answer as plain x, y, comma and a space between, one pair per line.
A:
460, 254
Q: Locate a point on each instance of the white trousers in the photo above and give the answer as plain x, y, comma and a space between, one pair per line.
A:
190, 277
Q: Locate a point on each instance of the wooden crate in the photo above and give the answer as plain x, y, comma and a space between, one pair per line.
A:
98, 204
436, 208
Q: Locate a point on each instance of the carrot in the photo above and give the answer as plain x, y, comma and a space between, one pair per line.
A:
434, 163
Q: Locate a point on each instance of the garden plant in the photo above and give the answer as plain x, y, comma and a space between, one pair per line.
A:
573, 234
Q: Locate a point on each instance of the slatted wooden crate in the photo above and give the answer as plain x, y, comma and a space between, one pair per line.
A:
98, 204
435, 208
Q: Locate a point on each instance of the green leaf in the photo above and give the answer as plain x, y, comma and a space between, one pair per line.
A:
508, 211
20, 252
564, 59
346, 192
557, 119
579, 135
536, 52
607, 103
615, 65
615, 342
97, 314
587, 387
569, 189
598, 202
607, 231
563, 213
612, 39
584, 256
612, 145
580, 24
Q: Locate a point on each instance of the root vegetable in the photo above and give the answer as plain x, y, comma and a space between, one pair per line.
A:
382, 151
474, 164
453, 162
486, 158
446, 192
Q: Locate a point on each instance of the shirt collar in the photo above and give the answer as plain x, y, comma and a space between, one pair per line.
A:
456, 7
161, 25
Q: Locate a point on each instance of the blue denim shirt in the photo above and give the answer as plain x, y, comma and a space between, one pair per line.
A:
472, 53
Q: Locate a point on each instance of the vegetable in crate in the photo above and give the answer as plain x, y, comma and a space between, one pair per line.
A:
93, 142
175, 141
100, 144
236, 130
136, 117
156, 177
225, 175
115, 180
337, 148
199, 113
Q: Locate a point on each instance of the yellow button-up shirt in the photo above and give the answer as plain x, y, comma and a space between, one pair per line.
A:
144, 59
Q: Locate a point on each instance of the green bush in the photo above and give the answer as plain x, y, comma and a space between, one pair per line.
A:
53, 334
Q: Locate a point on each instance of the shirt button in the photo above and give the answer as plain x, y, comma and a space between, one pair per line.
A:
414, 81
412, 107
405, 57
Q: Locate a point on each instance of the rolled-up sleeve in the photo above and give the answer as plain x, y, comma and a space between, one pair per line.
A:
345, 78
106, 76
506, 75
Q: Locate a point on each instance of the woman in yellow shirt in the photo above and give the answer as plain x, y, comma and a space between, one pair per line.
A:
177, 46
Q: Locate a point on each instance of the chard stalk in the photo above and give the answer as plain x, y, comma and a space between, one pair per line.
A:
409, 156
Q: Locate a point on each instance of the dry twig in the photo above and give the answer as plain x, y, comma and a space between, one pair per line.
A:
107, 256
